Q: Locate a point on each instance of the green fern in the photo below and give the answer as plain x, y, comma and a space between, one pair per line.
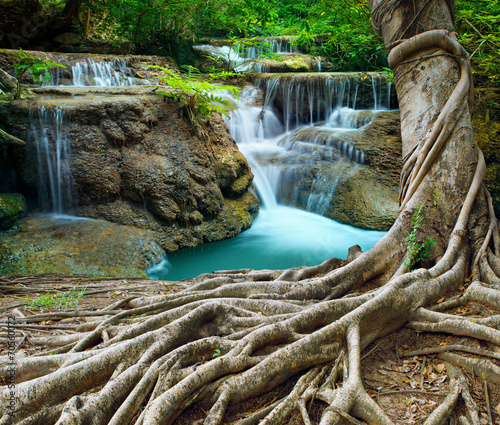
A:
199, 97
417, 251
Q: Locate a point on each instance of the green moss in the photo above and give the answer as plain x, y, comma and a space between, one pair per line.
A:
296, 64
12, 207
241, 184
492, 182
243, 209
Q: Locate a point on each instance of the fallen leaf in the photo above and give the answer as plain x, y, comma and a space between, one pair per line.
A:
443, 343
440, 300
441, 367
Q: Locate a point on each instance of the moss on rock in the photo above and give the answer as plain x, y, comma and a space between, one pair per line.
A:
77, 246
12, 207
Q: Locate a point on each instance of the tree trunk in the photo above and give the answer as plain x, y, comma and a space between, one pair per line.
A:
234, 335
72, 10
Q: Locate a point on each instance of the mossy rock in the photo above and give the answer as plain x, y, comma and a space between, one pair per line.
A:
12, 207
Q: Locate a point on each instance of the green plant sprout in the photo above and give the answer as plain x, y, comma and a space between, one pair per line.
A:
436, 196
37, 67
60, 300
217, 353
199, 98
417, 251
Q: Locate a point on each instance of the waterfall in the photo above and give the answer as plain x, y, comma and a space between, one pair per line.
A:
256, 48
240, 56
229, 54
87, 73
297, 163
49, 139
294, 158
298, 96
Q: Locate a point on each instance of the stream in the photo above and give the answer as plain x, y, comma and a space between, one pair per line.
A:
283, 146
282, 236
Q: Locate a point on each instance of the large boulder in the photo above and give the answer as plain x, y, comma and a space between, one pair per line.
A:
135, 161
39, 245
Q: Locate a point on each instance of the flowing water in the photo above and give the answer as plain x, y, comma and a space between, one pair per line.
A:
91, 73
281, 148
283, 236
48, 138
241, 57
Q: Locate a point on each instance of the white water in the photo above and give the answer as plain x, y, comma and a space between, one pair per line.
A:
281, 236
90, 73
48, 138
241, 57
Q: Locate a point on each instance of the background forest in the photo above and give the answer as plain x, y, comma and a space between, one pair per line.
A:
339, 30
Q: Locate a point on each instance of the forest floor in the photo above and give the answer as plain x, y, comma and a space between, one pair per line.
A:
407, 388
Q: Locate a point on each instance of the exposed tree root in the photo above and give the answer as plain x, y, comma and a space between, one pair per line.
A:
232, 335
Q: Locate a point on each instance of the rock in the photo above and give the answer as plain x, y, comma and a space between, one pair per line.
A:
8, 83
67, 38
288, 63
77, 246
136, 162
12, 208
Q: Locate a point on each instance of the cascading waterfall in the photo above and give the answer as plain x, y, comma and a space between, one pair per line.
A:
279, 154
93, 73
240, 56
48, 137
256, 48
314, 110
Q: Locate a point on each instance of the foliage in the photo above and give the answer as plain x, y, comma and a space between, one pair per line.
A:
478, 26
216, 353
60, 300
417, 251
339, 30
199, 97
436, 195
37, 67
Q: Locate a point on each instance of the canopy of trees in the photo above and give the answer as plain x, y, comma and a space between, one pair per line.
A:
337, 29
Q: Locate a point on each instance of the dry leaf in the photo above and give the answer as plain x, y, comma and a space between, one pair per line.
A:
440, 368
440, 300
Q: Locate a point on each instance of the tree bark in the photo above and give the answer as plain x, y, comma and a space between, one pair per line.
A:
253, 330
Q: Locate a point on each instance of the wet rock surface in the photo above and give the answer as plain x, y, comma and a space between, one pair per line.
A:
39, 245
136, 162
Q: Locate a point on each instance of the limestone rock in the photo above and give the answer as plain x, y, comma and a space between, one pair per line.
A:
77, 246
136, 162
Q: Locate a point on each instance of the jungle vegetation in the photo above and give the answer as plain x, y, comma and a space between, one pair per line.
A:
339, 30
